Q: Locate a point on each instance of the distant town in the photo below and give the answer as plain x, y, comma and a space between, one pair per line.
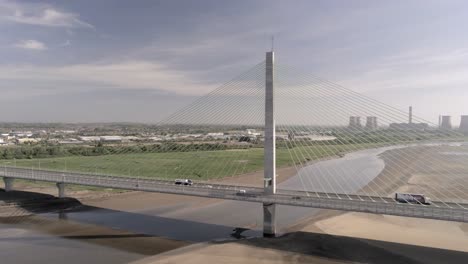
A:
128, 133
88, 134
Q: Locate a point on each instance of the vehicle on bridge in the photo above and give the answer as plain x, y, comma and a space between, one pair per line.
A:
412, 198
243, 192
183, 182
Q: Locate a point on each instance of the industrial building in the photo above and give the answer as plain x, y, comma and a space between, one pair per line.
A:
111, 139
410, 125
90, 138
27, 140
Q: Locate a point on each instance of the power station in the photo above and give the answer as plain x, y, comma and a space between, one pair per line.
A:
445, 122
410, 125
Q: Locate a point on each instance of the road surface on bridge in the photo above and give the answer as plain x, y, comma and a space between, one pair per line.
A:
347, 202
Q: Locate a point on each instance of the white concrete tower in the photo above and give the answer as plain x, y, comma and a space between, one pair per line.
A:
269, 210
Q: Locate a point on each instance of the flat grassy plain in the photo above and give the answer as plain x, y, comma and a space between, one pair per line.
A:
201, 165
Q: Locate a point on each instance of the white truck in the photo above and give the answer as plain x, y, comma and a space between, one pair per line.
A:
412, 198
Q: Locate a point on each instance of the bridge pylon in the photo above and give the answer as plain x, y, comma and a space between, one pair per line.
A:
269, 209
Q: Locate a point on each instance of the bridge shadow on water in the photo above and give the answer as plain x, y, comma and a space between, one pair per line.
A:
155, 225
71, 209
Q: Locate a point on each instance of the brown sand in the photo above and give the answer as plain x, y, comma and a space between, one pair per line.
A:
415, 231
118, 239
305, 247
231, 253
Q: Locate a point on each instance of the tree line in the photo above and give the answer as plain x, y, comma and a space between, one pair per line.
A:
44, 151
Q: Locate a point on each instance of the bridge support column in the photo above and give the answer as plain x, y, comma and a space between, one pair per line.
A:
61, 189
8, 183
62, 215
269, 220
269, 177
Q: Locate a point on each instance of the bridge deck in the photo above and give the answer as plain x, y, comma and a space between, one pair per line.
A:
346, 202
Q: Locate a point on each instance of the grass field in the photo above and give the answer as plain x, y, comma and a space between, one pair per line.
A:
195, 165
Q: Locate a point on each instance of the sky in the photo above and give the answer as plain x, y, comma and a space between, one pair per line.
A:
139, 61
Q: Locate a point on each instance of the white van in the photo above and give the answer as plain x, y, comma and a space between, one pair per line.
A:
183, 182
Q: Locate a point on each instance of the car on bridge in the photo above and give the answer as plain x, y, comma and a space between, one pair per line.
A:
243, 192
183, 182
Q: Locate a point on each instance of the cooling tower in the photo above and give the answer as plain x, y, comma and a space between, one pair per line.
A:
355, 122
446, 122
464, 123
371, 122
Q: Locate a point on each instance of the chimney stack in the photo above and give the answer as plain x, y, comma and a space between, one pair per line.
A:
410, 118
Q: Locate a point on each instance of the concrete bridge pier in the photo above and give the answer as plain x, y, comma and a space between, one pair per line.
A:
62, 215
269, 220
8, 183
61, 189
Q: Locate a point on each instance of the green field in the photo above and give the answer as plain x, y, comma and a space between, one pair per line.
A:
196, 164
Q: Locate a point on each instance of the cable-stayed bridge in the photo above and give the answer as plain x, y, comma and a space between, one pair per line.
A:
232, 141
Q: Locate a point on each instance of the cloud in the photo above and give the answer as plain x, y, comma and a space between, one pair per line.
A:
65, 44
414, 70
126, 74
39, 14
433, 81
31, 44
